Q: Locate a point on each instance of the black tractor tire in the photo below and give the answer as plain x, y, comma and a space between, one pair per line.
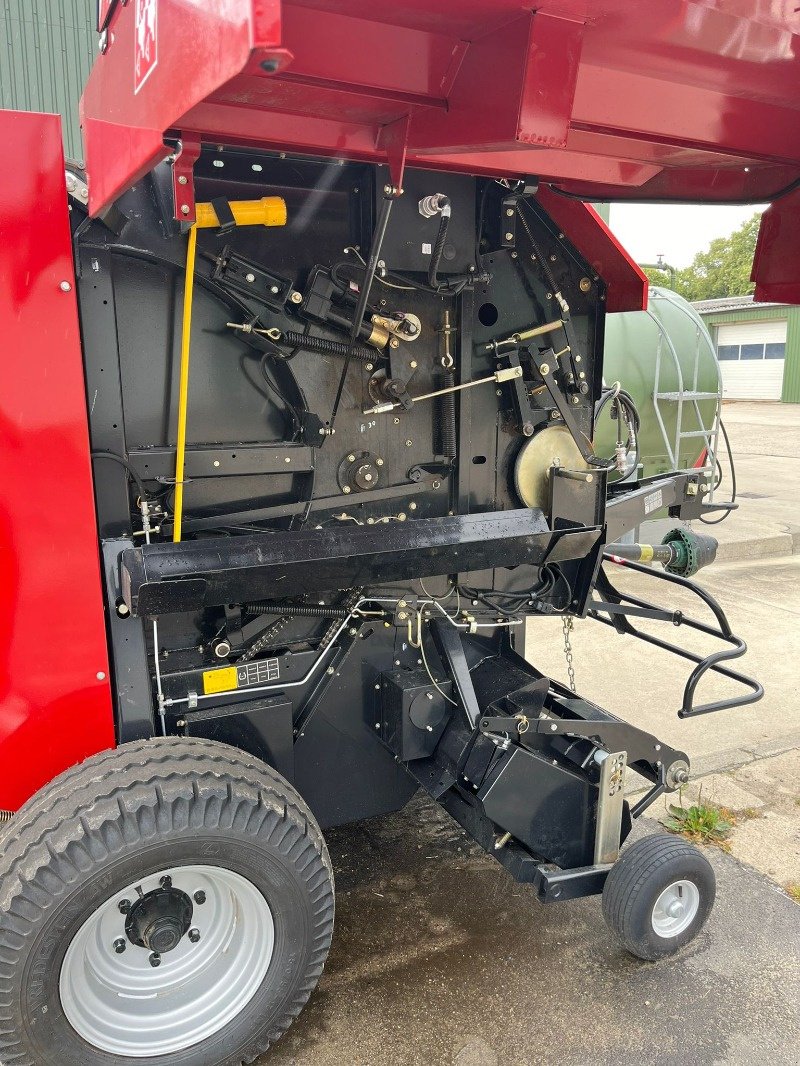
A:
120, 818
650, 876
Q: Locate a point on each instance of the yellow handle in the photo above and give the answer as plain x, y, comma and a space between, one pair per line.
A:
268, 211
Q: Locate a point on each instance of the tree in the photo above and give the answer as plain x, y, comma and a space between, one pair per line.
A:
723, 270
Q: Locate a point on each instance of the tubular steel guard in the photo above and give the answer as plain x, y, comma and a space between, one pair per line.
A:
705, 664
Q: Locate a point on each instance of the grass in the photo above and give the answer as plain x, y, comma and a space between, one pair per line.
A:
793, 890
702, 823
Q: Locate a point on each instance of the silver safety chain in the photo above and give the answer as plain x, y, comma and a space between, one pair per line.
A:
568, 629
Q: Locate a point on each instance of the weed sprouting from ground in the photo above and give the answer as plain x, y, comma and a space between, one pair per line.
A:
793, 890
702, 823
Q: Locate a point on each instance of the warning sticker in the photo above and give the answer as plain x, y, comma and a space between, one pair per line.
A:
229, 678
219, 680
145, 50
654, 501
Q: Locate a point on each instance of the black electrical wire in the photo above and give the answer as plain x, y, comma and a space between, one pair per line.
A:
623, 401
716, 521
143, 493
298, 422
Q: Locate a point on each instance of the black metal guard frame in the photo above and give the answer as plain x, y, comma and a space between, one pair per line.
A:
710, 663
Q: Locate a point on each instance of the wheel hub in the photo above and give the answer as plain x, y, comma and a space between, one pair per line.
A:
160, 919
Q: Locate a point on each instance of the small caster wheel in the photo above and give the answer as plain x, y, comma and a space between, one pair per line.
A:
658, 896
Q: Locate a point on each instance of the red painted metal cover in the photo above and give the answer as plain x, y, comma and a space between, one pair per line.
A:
55, 699
673, 99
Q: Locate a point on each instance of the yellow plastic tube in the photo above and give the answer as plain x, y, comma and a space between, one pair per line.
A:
268, 211
183, 384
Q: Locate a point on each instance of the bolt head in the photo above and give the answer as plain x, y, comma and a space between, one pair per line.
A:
409, 443
124, 906
369, 366
379, 462
296, 297
351, 458
396, 420
182, 179
509, 236
200, 897
65, 286
119, 945
250, 278
184, 211
194, 935
346, 490
155, 959
165, 881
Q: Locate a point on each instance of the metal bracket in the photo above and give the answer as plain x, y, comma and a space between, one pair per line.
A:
183, 161
394, 140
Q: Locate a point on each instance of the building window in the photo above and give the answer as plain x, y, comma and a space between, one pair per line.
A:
775, 351
752, 351
728, 351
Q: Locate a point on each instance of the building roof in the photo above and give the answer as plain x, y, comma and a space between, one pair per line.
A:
731, 303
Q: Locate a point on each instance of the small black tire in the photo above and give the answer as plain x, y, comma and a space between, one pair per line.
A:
196, 809
658, 896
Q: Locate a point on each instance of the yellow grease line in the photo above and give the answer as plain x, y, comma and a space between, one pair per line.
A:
268, 211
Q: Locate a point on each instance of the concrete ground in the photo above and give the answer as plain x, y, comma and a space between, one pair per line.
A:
439, 959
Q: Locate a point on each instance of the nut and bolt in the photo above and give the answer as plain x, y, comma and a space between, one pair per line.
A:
155, 959
119, 945
544, 369
413, 364
351, 458
396, 420
509, 236
250, 277
584, 284
124, 906
379, 462
200, 897
184, 211
346, 490
576, 399
194, 935
296, 297
552, 259
412, 506
436, 484
331, 670
409, 443
165, 881
402, 616
369, 366
182, 179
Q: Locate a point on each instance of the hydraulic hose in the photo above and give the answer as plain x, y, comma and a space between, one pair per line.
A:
438, 248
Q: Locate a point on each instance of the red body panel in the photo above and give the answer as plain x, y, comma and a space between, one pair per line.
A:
55, 698
683, 99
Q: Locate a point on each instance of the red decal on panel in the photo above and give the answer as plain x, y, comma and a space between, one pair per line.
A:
145, 56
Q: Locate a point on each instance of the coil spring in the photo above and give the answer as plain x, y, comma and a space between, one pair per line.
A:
322, 346
6, 816
447, 413
295, 610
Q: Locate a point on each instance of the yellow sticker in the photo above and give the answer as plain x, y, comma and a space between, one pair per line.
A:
646, 555
220, 680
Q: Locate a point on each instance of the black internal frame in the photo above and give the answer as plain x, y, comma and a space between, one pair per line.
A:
343, 601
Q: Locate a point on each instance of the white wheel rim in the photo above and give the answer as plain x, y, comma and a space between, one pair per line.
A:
675, 909
120, 1003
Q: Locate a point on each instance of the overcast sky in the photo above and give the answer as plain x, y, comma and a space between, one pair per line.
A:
677, 231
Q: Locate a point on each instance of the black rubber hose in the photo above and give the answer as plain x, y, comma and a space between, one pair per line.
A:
143, 493
447, 413
438, 248
716, 521
322, 346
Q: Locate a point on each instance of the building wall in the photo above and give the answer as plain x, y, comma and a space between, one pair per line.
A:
790, 392
46, 50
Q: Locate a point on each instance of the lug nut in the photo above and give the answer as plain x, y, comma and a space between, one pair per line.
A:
166, 881
155, 959
200, 897
119, 945
194, 935
124, 906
